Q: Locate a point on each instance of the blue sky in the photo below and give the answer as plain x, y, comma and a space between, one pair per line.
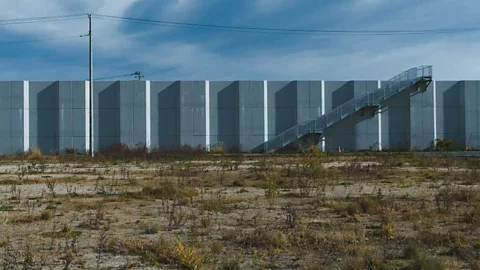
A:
164, 53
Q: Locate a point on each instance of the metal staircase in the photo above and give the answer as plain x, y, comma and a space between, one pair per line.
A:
415, 78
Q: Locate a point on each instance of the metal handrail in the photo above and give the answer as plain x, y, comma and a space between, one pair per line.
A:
389, 88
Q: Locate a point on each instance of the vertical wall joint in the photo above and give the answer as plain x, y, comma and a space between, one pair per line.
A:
87, 116
265, 111
148, 124
379, 85
26, 116
207, 115
323, 111
435, 136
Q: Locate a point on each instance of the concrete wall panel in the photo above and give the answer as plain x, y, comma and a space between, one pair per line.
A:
192, 113
251, 114
451, 111
282, 106
106, 114
396, 122
44, 115
11, 117
165, 114
57, 114
358, 131
224, 114
421, 119
476, 145
471, 114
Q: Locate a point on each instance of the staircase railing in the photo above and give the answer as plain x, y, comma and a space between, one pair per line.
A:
388, 89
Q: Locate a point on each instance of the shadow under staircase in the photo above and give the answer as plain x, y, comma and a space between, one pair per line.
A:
417, 79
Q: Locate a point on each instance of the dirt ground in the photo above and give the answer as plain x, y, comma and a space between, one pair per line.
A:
205, 211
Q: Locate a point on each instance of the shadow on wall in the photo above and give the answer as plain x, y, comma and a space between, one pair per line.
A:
228, 108
342, 133
48, 125
345, 127
398, 121
454, 114
286, 107
109, 116
169, 120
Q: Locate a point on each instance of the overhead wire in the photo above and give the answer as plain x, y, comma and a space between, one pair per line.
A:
41, 19
40, 40
287, 30
245, 29
115, 77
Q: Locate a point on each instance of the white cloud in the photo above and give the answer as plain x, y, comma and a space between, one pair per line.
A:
345, 58
194, 62
34, 8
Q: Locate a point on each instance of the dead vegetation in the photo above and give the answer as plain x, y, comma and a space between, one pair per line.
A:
134, 209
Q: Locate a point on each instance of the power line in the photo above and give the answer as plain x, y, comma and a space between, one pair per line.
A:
288, 30
245, 29
40, 40
117, 76
41, 19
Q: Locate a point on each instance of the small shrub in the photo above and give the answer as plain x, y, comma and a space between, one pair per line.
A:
436, 239
34, 154
411, 252
217, 148
446, 197
230, 264
71, 151
168, 191
351, 209
290, 216
261, 238
388, 230
219, 206
5, 208
175, 214
238, 183
67, 228
353, 264
426, 263
62, 234
4, 241
369, 206
368, 261
473, 216
149, 228
46, 215
165, 253
271, 190
189, 257
216, 247
443, 145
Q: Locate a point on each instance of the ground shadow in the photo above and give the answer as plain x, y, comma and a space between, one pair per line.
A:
48, 124
228, 106
169, 117
109, 116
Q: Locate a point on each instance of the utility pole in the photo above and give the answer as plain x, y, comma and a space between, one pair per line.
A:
138, 75
92, 149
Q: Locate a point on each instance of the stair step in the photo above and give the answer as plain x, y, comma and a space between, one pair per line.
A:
401, 82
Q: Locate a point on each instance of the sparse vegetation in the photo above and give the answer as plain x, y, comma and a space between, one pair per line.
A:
188, 209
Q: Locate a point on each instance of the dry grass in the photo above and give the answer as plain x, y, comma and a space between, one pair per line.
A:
191, 210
